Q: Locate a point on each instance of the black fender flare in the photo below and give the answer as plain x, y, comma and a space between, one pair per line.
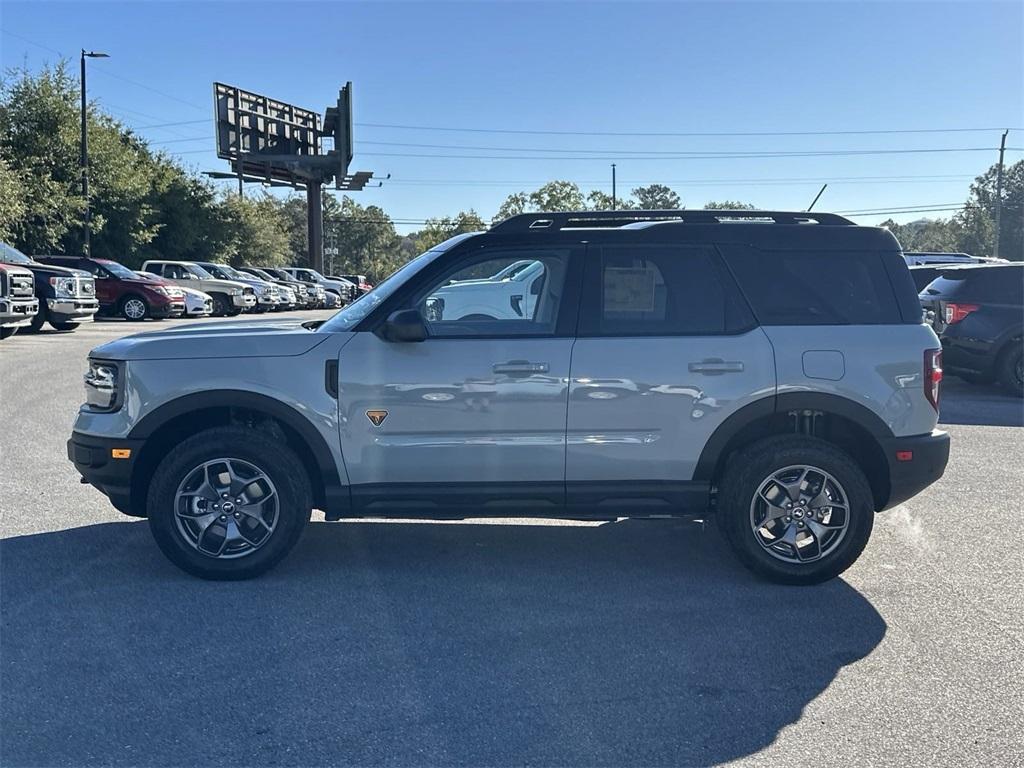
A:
775, 404
286, 414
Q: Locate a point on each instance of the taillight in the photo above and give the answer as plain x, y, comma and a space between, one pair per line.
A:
932, 375
957, 312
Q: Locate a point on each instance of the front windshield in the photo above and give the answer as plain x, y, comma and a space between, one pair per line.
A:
234, 274
199, 272
9, 255
119, 270
348, 318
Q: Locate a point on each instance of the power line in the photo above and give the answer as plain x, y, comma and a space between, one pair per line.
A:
693, 156
101, 71
817, 179
460, 129
661, 153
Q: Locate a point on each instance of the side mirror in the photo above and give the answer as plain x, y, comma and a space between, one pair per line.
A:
405, 325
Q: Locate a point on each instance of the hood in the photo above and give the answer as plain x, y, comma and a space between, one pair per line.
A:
49, 269
247, 339
216, 282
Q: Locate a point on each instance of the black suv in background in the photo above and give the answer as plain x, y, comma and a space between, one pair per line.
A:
978, 312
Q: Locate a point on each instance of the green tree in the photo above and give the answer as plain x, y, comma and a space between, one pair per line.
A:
656, 197
13, 195
602, 201
557, 196
924, 234
976, 222
440, 229
257, 231
366, 240
729, 205
39, 142
514, 205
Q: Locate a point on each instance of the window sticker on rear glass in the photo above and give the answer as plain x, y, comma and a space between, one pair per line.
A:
628, 290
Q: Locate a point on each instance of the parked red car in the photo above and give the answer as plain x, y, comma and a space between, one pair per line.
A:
121, 292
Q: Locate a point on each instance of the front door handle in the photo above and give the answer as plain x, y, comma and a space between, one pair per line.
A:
716, 366
521, 367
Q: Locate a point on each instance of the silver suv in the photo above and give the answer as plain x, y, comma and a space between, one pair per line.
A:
768, 369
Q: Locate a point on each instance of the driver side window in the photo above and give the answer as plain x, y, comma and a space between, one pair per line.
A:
480, 296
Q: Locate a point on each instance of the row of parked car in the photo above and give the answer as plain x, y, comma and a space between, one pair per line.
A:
976, 306
65, 291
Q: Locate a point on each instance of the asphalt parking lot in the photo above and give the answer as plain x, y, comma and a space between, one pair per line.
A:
630, 643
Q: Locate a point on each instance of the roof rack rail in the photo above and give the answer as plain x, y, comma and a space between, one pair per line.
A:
615, 219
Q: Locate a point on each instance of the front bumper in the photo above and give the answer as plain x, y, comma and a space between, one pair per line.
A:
173, 308
17, 312
73, 309
93, 458
245, 301
928, 456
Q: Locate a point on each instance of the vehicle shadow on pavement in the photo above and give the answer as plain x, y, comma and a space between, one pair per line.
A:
983, 405
630, 643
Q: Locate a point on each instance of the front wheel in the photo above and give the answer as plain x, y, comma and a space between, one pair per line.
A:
795, 509
64, 325
6, 331
134, 308
228, 503
222, 305
1011, 370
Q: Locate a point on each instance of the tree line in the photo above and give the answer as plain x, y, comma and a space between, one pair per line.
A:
145, 204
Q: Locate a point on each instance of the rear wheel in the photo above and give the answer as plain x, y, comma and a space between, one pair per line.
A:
1011, 369
134, 308
795, 509
228, 503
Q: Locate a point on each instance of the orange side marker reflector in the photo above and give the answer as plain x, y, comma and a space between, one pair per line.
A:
904, 455
120, 453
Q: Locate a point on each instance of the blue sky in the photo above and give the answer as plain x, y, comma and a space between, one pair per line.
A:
622, 68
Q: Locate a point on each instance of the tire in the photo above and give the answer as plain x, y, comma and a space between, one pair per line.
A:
1011, 375
64, 326
36, 324
246, 449
752, 470
221, 305
133, 308
6, 331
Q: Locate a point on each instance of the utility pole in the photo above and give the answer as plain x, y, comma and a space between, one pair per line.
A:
315, 224
999, 194
613, 186
83, 159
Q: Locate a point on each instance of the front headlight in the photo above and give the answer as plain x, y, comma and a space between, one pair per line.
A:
266, 290
103, 385
161, 290
63, 287
236, 291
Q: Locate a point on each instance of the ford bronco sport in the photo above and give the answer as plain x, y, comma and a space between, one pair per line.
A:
769, 369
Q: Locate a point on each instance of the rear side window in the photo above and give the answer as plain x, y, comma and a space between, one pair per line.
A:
815, 287
658, 290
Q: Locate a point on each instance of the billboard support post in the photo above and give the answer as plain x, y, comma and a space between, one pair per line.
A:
315, 224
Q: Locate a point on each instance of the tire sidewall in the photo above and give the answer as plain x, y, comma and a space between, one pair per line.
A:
124, 306
751, 467
277, 461
221, 307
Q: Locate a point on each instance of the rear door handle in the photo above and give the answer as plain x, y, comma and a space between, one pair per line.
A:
520, 367
716, 366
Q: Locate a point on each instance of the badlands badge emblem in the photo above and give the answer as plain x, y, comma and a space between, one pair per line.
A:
376, 417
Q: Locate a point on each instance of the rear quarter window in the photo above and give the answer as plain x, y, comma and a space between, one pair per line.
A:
816, 287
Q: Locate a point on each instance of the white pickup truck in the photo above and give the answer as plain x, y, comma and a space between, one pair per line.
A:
506, 295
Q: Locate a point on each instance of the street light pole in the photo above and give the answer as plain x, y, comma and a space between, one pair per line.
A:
613, 186
84, 157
